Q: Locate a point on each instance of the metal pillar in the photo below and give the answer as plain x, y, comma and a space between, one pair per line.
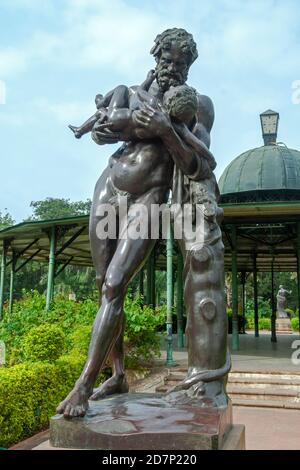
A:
169, 324
235, 319
148, 281
141, 283
273, 303
2, 276
12, 281
243, 281
152, 265
298, 269
51, 269
255, 291
179, 301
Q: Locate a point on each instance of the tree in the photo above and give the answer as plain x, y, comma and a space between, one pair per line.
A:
6, 219
53, 208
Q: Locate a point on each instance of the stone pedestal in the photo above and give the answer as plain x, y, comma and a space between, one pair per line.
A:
147, 422
283, 326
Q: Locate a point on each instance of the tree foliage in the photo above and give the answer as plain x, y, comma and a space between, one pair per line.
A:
53, 208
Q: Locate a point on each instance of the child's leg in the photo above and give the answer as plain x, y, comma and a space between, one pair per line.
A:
87, 126
119, 99
116, 98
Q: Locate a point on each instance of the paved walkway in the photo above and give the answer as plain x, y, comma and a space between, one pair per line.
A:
269, 428
255, 353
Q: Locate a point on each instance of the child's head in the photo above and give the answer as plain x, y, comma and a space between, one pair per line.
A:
181, 103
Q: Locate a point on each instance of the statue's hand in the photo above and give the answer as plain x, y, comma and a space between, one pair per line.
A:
104, 136
156, 121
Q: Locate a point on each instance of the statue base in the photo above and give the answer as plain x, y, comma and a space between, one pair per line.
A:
283, 326
147, 422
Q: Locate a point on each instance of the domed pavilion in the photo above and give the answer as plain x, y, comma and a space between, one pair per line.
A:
260, 195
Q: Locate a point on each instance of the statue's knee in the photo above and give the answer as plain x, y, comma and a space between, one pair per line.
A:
113, 287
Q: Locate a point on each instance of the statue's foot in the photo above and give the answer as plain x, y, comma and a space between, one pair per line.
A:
76, 131
116, 384
76, 403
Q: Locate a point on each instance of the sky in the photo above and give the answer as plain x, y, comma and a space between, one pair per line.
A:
56, 55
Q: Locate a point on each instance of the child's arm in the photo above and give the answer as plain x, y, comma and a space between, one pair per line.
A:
149, 80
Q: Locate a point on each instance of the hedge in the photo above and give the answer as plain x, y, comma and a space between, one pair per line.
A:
30, 393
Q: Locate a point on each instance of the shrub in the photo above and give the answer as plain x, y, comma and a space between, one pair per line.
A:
29, 394
290, 312
264, 323
295, 324
141, 338
44, 343
79, 339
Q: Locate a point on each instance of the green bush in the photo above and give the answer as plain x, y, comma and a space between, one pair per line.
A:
290, 312
79, 339
141, 338
264, 323
30, 393
295, 324
44, 343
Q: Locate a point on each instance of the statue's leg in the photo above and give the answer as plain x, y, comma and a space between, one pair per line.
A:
129, 256
102, 251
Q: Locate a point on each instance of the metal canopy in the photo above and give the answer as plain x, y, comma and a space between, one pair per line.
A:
32, 240
269, 230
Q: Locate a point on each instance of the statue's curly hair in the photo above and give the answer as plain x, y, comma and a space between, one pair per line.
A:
181, 37
179, 99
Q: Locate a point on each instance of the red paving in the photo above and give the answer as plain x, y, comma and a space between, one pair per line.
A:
269, 428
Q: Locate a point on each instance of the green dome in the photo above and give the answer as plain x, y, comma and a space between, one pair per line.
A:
270, 172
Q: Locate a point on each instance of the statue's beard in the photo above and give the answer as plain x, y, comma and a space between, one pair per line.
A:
166, 79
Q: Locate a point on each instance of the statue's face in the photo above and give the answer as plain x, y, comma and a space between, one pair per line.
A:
172, 68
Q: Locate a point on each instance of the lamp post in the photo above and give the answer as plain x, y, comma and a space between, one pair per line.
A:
269, 125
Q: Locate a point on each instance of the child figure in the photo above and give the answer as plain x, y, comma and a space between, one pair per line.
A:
117, 104
180, 102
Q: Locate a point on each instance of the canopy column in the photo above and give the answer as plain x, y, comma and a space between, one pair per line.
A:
179, 300
2, 275
255, 295
51, 268
141, 282
169, 322
12, 282
243, 282
234, 275
273, 304
298, 269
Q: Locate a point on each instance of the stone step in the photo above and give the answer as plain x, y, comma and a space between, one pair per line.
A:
266, 403
263, 393
257, 389
264, 382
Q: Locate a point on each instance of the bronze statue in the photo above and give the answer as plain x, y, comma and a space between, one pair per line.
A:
282, 302
164, 148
